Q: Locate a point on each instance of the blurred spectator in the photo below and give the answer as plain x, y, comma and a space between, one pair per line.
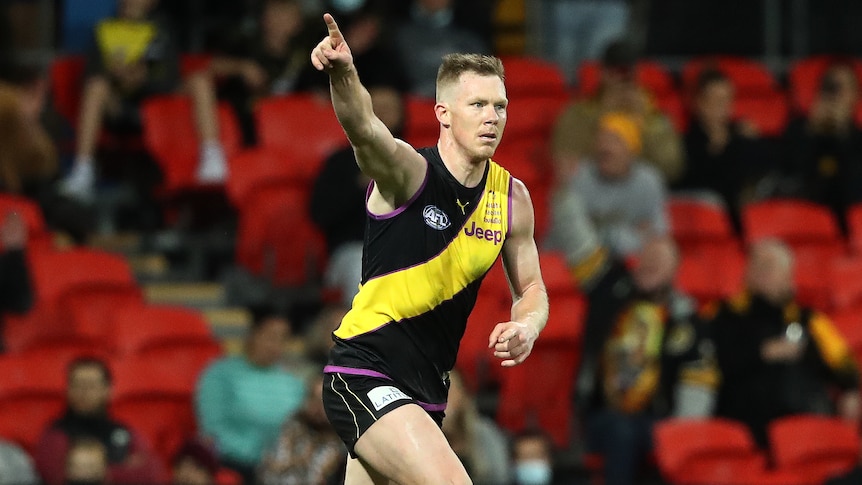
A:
87, 463
242, 401
533, 460
645, 352
825, 151
16, 290
721, 153
579, 30
308, 451
428, 35
265, 61
778, 358
342, 219
366, 28
132, 58
479, 443
89, 390
16, 468
194, 464
318, 338
574, 137
624, 197
28, 161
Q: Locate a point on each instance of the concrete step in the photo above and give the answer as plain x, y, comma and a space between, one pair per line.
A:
201, 295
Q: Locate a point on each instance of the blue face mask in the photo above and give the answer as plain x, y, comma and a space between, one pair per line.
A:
533, 472
347, 6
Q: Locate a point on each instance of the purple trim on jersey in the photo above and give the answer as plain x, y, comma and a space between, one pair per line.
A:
509, 215
434, 408
390, 215
331, 369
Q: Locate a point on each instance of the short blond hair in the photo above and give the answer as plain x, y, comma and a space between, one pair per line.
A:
454, 65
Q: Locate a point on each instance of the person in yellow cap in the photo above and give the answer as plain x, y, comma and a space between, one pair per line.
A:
625, 197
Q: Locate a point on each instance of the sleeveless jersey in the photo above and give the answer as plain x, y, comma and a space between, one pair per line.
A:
422, 266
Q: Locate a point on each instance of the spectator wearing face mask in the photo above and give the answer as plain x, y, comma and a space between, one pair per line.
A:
532, 458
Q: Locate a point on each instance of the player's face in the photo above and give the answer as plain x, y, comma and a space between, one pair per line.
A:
478, 114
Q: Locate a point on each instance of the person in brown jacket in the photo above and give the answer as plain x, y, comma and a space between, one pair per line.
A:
574, 134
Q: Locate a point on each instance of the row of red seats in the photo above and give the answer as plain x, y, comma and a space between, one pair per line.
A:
804, 450
87, 303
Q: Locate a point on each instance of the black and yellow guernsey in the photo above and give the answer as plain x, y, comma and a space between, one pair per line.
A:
421, 271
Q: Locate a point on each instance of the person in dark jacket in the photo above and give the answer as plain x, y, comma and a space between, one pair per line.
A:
777, 357
16, 291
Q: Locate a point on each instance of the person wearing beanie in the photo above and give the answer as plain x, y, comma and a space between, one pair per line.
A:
625, 197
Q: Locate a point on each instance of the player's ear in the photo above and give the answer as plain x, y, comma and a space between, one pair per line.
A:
441, 110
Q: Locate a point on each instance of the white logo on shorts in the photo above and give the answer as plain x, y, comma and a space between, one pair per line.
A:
384, 395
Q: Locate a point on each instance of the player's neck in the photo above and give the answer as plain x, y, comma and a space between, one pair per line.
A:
466, 170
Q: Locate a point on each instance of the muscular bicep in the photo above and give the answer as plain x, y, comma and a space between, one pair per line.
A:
396, 167
520, 254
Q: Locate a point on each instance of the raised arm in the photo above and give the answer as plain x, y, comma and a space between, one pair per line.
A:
397, 169
513, 340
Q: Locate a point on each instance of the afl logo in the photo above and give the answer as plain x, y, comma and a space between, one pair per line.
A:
435, 218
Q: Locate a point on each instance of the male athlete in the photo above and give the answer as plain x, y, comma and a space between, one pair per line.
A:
437, 221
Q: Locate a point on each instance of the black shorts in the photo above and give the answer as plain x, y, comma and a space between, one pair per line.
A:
354, 399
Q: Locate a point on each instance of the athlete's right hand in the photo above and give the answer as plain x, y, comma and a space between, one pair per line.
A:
332, 53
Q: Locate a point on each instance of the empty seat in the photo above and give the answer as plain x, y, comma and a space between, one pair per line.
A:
171, 137
805, 226
475, 359
302, 127
845, 282
817, 447
67, 76
277, 240
532, 117
768, 112
528, 77
711, 274
32, 394
421, 127
854, 227
252, 170
531, 395
707, 451
697, 223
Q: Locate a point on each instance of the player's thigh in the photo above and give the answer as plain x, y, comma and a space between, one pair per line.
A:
359, 474
408, 447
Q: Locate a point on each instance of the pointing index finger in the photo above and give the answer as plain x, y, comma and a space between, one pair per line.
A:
334, 31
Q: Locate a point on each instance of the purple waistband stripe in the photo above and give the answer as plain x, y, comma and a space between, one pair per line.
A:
330, 369
432, 407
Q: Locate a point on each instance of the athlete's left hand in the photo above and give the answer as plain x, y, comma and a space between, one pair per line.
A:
512, 341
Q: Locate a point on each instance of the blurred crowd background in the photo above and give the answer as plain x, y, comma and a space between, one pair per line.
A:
181, 224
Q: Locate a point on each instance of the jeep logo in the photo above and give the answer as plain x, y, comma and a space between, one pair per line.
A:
487, 234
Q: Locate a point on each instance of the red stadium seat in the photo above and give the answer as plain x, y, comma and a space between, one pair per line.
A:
302, 127
698, 223
845, 282
708, 451
32, 394
711, 274
155, 403
192, 63
532, 118
854, 227
538, 392
673, 107
767, 112
38, 235
805, 226
528, 77
421, 127
525, 159
650, 75
475, 360
848, 321
67, 78
252, 170
276, 238
818, 447
171, 138
141, 328
71, 279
